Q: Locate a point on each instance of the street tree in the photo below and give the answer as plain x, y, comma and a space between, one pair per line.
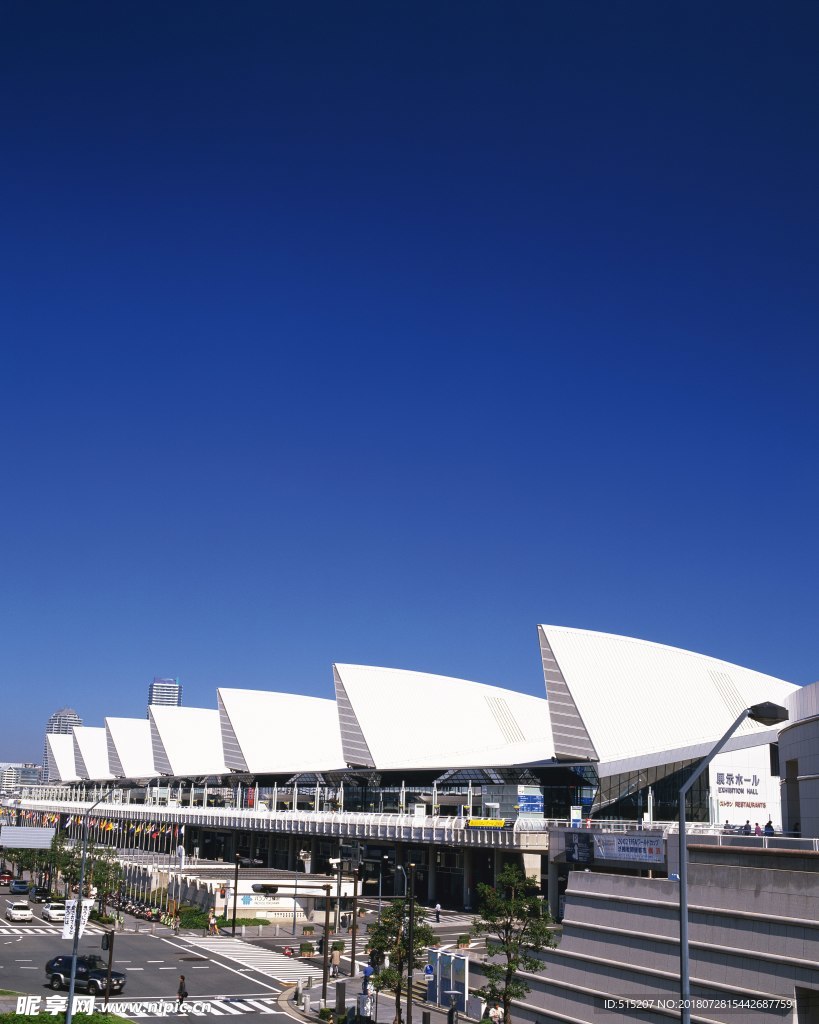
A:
515, 924
389, 942
104, 872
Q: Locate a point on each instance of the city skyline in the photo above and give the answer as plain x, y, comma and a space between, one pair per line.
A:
381, 336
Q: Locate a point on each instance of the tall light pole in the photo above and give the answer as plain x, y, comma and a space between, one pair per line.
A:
69, 1012
384, 858
410, 941
765, 714
235, 892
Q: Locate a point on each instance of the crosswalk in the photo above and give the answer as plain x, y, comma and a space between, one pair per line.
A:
34, 929
203, 1008
265, 961
451, 920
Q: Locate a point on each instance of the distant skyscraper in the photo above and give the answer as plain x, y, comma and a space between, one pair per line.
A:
62, 721
165, 691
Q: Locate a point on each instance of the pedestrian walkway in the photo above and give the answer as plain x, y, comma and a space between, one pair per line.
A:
451, 920
265, 961
199, 1008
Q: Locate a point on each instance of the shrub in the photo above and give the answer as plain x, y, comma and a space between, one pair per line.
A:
326, 1013
306, 947
463, 940
339, 945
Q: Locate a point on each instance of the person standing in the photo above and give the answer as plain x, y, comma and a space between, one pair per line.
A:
181, 993
335, 962
437, 913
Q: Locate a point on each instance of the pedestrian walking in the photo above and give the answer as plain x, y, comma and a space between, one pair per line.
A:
181, 993
437, 913
176, 924
335, 962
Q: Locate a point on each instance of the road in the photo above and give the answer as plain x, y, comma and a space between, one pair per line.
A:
224, 976
152, 964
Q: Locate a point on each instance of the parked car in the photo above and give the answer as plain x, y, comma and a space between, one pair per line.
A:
19, 912
18, 887
5, 878
54, 912
39, 894
91, 974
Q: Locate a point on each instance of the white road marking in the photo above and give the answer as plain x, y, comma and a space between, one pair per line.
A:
225, 967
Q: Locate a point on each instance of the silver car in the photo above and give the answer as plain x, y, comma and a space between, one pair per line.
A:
54, 912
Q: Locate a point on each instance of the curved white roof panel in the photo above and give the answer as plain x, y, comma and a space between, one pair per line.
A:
91, 752
263, 731
186, 741
632, 704
130, 750
60, 753
393, 718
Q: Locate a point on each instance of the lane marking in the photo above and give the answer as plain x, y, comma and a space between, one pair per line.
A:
191, 949
224, 1006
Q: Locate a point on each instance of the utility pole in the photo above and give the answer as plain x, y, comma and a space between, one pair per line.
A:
235, 892
410, 941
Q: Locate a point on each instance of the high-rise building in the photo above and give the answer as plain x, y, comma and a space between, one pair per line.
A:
165, 691
62, 721
14, 774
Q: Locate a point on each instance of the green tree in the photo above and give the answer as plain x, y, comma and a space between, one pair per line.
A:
515, 924
105, 872
390, 938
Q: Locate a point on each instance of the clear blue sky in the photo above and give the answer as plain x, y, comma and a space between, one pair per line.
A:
381, 332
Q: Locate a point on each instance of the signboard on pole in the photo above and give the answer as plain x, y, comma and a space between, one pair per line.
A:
70, 921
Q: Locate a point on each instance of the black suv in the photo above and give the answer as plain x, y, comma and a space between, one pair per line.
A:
91, 975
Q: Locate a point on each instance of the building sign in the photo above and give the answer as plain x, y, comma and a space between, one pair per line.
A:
530, 801
579, 848
485, 823
742, 788
646, 849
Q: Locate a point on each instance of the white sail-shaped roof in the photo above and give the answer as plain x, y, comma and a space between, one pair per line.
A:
393, 718
632, 704
60, 753
186, 741
264, 731
130, 749
91, 752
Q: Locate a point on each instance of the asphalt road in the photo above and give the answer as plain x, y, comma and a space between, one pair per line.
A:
152, 964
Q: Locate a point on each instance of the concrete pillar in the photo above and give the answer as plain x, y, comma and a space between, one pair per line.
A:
553, 895
497, 865
532, 865
468, 879
432, 875
291, 853
398, 877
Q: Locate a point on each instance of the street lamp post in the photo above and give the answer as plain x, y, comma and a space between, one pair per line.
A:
410, 941
69, 1012
235, 892
765, 714
381, 862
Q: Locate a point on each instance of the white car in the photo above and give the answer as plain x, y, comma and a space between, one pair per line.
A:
54, 912
19, 912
